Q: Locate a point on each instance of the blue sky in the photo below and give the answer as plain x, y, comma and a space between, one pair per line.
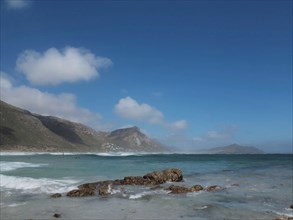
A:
192, 74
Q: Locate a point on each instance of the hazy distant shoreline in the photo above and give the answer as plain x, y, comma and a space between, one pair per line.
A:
14, 153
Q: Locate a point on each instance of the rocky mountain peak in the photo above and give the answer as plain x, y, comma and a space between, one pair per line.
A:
21, 130
123, 132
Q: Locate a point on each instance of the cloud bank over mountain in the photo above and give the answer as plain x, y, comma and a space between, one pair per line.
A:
129, 108
61, 105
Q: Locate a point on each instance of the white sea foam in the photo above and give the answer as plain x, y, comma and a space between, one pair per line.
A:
2, 205
126, 153
147, 193
139, 195
79, 153
15, 153
191, 194
8, 166
202, 207
39, 153
16, 204
113, 191
286, 212
118, 154
18, 153
31, 185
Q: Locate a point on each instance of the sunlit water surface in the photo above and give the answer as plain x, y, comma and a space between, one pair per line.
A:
255, 186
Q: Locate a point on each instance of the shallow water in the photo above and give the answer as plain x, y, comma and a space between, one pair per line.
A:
255, 186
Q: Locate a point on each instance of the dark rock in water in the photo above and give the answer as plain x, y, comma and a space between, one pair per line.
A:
196, 188
169, 175
96, 185
91, 186
291, 206
178, 189
214, 188
154, 178
81, 192
56, 215
284, 217
151, 179
182, 189
56, 195
104, 190
134, 180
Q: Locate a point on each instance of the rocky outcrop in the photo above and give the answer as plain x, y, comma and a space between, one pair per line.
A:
169, 175
196, 188
135, 180
214, 188
150, 179
154, 179
81, 192
56, 195
182, 189
103, 190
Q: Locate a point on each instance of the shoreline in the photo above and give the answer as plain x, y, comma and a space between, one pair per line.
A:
118, 153
34, 178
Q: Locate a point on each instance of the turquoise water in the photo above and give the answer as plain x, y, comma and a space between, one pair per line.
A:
255, 186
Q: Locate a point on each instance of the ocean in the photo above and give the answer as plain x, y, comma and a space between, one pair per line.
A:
254, 186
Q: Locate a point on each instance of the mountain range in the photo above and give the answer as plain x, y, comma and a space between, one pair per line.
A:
21, 130
232, 149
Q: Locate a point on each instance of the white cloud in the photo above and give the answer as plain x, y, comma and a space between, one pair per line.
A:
55, 66
217, 135
227, 133
5, 82
62, 105
178, 125
17, 4
130, 109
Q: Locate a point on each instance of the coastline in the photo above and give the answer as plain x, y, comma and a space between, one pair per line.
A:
254, 186
120, 153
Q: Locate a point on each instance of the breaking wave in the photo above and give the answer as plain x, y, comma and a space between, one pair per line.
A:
148, 193
75, 153
9, 166
84, 153
31, 185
